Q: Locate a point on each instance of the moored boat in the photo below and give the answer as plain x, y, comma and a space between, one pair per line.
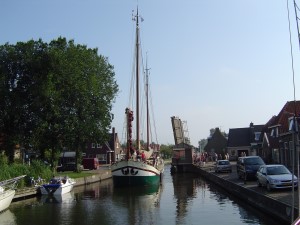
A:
136, 173
6, 197
142, 165
7, 192
57, 186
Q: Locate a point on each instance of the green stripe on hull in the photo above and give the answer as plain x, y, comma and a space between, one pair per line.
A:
136, 180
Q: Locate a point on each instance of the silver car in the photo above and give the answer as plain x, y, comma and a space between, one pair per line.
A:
275, 176
223, 166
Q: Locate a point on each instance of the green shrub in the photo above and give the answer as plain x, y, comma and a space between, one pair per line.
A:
3, 160
36, 169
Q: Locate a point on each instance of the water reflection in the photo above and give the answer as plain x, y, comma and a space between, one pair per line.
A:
137, 205
7, 218
196, 198
94, 191
184, 191
245, 211
67, 198
181, 199
94, 203
58, 209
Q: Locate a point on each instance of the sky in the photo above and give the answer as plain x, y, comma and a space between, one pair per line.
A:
213, 63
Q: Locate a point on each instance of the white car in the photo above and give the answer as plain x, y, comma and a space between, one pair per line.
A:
275, 176
223, 166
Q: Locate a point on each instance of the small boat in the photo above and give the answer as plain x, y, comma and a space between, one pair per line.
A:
142, 165
6, 197
7, 192
57, 186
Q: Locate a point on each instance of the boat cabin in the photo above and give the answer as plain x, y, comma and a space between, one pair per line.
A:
182, 157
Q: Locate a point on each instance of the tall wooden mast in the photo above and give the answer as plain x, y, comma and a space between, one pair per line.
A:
147, 102
137, 55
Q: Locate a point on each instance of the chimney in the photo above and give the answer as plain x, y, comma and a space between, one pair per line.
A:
114, 138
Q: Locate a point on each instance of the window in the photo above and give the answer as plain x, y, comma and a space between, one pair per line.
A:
99, 146
292, 126
257, 135
93, 145
274, 132
101, 157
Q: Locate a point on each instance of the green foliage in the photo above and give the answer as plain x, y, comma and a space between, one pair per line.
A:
52, 156
202, 143
35, 169
38, 168
3, 160
166, 151
212, 131
55, 95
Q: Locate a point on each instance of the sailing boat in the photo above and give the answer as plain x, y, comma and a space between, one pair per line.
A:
134, 170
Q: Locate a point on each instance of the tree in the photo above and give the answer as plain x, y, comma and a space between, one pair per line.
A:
166, 151
212, 131
62, 94
202, 144
20, 66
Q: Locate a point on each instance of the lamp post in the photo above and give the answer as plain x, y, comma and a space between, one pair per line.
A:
296, 146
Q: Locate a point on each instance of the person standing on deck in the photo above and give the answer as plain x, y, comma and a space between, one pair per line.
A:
143, 156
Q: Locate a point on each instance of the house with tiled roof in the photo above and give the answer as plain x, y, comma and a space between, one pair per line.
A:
244, 141
107, 152
270, 141
279, 136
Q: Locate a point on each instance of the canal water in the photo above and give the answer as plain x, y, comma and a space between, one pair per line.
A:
180, 199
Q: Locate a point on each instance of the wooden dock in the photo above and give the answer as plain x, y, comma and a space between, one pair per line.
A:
25, 193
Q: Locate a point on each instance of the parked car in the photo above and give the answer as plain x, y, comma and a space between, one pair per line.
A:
238, 162
275, 176
90, 163
297, 221
70, 166
223, 166
247, 166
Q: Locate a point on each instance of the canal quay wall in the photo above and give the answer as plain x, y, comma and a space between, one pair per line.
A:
275, 204
98, 175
